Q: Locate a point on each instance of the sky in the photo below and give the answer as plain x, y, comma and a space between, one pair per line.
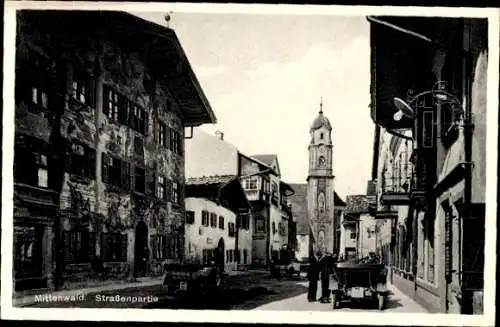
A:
264, 76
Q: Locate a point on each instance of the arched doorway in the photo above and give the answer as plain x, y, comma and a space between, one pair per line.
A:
220, 259
141, 252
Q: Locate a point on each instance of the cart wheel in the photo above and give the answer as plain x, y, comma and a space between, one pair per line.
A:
381, 300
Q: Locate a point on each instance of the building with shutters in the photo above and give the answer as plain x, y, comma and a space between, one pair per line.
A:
429, 106
102, 101
214, 205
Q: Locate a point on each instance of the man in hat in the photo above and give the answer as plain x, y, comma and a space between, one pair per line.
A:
326, 270
313, 276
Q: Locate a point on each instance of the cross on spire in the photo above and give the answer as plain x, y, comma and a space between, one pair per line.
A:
321, 105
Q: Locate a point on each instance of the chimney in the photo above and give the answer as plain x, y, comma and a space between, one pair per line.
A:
219, 135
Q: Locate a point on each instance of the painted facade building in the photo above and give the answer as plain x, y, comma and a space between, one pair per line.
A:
213, 207
100, 118
431, 178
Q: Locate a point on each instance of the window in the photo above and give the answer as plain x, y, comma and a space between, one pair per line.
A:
353, 235
251, 183
204, 217
231, 256
27, 251
231, 229
138, 145
176, 141
260, 225
321, 136
114, 247
137, 118
162, 134
274, 227
175, 193
81, 89
82, 160
190, 217
428, 129
245, 256
221, 222
43, 180
33, 80
213, 220
115, 171
79, 246
159, 246
244, 221
161, 188
139, 179
112, 104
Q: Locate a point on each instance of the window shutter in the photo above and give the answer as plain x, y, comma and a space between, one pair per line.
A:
169, 190
105, 102
105, 167
180, 190
168, 137
180, 139
123, 110
91, 162
68, 155
125, 175
146, 123
150, 181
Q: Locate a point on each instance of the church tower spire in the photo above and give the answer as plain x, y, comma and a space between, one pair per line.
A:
320, 186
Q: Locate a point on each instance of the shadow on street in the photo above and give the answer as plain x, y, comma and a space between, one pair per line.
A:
243, 296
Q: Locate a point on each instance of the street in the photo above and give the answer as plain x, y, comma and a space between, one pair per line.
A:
257, 293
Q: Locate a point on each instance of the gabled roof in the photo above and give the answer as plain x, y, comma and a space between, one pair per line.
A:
357, 204
269, 160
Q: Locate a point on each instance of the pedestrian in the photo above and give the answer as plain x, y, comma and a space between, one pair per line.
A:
325, 268
313, 276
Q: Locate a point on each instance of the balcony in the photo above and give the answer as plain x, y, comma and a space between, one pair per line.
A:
256, 195
33, 195
396, 183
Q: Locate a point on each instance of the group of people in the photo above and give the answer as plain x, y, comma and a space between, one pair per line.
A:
321, 268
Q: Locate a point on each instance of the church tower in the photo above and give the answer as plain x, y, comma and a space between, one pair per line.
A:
320, 187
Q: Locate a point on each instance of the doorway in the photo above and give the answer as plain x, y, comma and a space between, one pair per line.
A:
219, 259
141, 252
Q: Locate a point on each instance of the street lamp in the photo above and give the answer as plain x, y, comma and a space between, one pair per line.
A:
439, 93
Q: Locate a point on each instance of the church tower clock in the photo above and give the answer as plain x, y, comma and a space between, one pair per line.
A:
320, 187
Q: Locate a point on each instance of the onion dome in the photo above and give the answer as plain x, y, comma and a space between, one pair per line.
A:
321, 121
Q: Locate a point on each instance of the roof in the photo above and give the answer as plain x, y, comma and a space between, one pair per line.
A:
262, 164
337, 200
286, 187
298, 200
210, 180
166, 58
226, 187
268, 160
357, 204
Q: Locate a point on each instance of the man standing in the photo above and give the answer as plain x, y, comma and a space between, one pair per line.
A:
312, 276
326, 270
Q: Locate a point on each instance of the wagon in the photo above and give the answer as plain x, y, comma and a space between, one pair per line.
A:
359, 282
